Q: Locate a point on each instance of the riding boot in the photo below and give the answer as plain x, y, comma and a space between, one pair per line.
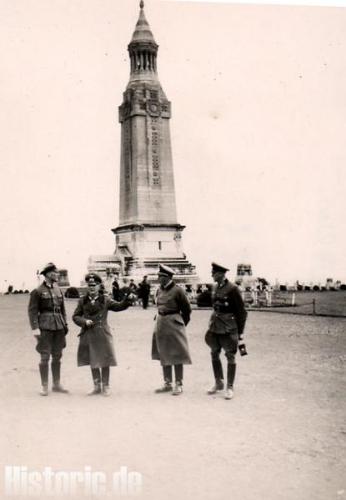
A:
231, 369
96, 375
44, 378
167, 374
178, 388
217, 369
167, 377
218, 375
178, 371
57, 387
105, 381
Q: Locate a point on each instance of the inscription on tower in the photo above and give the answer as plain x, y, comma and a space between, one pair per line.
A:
155, 149
127, 161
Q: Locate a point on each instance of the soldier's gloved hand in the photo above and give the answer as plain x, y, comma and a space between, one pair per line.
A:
240, 337
89, 323
36, 334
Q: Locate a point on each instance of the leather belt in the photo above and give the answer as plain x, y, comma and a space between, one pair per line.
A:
52, 310
166, 313
222, 309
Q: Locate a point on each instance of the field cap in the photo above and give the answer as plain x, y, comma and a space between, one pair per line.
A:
93, 278
165, 271
49, 267
216, 268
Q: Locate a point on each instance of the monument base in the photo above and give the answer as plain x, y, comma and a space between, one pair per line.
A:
140, 248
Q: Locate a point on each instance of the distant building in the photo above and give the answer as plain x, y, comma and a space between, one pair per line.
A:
63, 278
244, 270
244, 276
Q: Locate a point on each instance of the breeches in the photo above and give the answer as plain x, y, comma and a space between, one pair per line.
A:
51, 343
227, 342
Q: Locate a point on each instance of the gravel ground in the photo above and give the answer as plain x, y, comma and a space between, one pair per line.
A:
282, 437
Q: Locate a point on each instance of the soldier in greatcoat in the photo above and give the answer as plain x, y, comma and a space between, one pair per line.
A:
226, 327
95, 339
47, 314
169, 343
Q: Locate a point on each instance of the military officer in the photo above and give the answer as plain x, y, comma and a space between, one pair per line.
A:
95, 339
169, 343
226, 328
47, 314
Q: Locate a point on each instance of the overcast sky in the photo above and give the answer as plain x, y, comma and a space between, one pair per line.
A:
258, 133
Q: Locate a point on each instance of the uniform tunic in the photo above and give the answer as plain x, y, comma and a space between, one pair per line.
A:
96, 342
227, 321
47, 308
169, 343
47, 312
229, 313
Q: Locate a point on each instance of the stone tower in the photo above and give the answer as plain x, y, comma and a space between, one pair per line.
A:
148, 231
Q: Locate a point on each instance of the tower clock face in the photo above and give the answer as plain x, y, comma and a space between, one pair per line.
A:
153, 108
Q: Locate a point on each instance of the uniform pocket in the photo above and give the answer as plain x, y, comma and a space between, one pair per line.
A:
232, 331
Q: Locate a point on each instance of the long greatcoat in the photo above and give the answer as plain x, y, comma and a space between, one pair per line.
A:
169, 343
96, 342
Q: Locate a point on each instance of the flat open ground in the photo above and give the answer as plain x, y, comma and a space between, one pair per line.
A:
331, 303
283, 436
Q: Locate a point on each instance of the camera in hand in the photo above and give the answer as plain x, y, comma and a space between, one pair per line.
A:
242, 349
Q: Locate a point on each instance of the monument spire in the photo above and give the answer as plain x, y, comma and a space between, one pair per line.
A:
143, 50
148, 231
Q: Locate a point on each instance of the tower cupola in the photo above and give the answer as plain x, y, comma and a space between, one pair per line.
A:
142, 48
